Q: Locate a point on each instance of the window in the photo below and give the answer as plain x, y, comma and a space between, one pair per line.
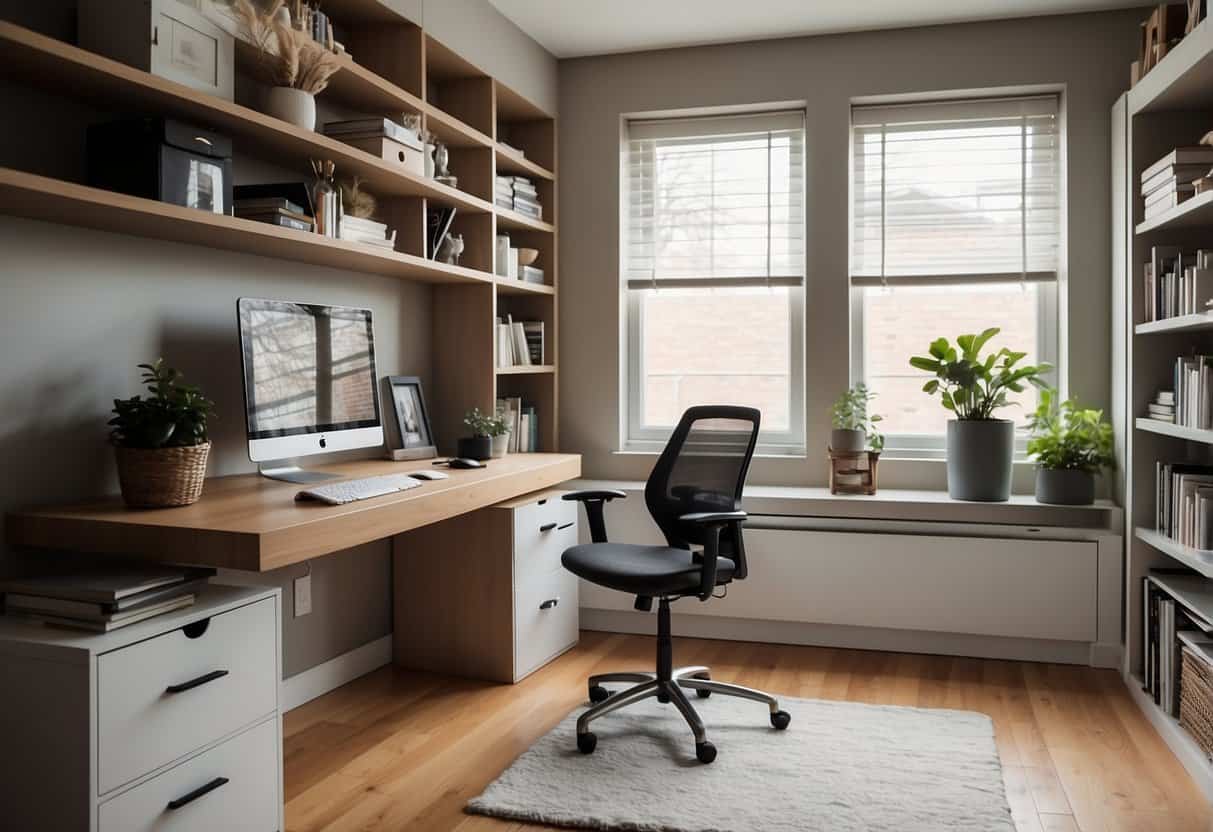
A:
955, 228
713, 261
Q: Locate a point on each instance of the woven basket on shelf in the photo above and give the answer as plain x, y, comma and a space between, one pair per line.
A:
162, 477
1196, 699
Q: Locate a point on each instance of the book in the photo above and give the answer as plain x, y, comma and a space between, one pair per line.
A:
1163, 205
71, 608
1169, 194
108, 586
266, 204
1179, 174
281, 218
365, 128
531, 274
522, 355
108, 625
297, 193
80, 611
1199, 155
534, 341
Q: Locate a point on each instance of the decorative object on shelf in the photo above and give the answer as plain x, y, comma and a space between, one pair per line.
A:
160, 442
292, 61
853, 472
854, 428
357, 201
1071, 445
501, 258
527, 256
451, 249
442, 162
1196, 13
326, 198
438, 226
1166, 26
162, 159
414, 438
383, 138
164, 37
412, 123
482, 444
427, 139
980, 447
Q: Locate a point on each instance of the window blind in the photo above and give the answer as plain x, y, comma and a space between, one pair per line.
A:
956, 192
715, 201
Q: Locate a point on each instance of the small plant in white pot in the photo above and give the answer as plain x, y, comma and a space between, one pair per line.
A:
980, 446
854, 427
1071, 445
295, 66
490, 437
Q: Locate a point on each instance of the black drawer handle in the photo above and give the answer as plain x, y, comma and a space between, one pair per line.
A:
565, 526
549, 604
194, 683
547, 527
196, 793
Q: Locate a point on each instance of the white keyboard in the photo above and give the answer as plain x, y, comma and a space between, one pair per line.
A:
347, 491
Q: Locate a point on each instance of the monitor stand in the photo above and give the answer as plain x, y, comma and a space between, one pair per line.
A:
295, 474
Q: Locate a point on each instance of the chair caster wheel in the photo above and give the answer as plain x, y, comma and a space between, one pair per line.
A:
587, 742
780, 720
705, 752
703, 694
599, 694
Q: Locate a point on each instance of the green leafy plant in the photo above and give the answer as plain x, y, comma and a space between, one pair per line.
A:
850, 412
973, 387
481, 424
173, 416
1065, 436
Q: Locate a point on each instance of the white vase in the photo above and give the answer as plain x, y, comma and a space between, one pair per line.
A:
293, 106
429, 160
501, 445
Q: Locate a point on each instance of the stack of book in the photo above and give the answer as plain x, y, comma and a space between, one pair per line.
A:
372, 128
278, 211
519, 343
518, 194
103, 600
1183, 503
1169, 181
1178, 283
1162, 409
523, 422
1194, 391
1167, 625
362, 230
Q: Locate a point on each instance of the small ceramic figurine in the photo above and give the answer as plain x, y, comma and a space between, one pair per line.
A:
451, 249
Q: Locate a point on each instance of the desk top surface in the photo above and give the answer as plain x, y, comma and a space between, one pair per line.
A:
250, 522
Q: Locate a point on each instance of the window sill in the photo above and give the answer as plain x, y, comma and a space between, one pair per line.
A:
791, 453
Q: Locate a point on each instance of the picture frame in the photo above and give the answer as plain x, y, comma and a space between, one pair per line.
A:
414, 437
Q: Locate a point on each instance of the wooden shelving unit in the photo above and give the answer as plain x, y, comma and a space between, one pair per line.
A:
395, 67
1172, 106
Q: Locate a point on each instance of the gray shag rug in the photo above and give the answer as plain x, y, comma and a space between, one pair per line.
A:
840, 766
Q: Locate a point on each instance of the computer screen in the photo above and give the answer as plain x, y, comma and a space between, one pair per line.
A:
307, 370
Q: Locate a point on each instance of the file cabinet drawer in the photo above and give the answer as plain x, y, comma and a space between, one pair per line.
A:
542, 531
545, 620
160, 699
232, 787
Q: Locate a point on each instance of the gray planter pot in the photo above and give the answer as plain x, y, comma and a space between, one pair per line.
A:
847, 440
979, 459
475, 447
1064, 487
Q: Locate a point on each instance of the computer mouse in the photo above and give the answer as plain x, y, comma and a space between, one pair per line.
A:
461, 462
429, 475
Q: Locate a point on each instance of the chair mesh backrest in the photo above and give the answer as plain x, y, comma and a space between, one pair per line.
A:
703, 468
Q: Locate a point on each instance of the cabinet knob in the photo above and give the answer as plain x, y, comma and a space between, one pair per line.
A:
549, 604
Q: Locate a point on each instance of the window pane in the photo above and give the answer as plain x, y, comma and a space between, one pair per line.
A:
902, 322
717, 346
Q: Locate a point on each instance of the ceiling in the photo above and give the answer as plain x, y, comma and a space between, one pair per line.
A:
573, 28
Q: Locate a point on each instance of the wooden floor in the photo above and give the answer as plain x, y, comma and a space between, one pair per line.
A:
397, 750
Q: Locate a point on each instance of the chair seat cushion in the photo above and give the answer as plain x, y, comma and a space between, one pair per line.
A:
641, 570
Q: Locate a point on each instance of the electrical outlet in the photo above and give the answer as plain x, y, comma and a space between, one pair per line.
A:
303, 595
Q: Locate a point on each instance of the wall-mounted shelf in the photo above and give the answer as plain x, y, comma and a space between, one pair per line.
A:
510, 162
514, 221
505, 286
526, 370
1179, 323
1194, 212
1176, 431
1198, 559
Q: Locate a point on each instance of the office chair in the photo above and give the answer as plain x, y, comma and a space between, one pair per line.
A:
694, 495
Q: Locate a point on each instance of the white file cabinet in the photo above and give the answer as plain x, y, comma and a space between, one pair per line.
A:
171, 724
484, 594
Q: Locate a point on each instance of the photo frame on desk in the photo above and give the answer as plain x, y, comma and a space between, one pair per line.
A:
414, 437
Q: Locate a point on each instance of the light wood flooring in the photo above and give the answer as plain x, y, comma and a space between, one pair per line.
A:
398, 750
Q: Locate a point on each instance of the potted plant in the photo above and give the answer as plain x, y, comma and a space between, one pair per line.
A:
490, 436
980, 446
854, 428
1071, 445
292, 62
160, 442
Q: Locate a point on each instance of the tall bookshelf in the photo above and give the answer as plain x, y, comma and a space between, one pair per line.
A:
396, 67
1172, 106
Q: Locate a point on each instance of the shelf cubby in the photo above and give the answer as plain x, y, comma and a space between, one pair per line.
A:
457, 87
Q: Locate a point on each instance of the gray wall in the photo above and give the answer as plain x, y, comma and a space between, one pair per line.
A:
79, 309
1089, 54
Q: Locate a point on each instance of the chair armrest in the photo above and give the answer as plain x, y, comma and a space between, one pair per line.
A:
594, 500
715, 521
607, 494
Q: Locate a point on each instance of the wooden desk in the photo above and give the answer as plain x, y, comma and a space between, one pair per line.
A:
253, 523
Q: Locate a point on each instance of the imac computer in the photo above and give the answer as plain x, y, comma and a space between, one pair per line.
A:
309, 383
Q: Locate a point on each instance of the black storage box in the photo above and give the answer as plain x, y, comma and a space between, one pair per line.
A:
162, 159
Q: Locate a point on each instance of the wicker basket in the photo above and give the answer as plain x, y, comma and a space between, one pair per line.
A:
1196, 699
162, 477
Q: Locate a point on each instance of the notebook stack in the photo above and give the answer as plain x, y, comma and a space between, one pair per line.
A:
103, 600
518, 194
372, 128
519, 343
523, 422
278, 211
1169, 181
1162, 409
362, 230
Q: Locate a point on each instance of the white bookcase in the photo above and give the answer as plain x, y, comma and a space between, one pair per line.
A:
1172, 106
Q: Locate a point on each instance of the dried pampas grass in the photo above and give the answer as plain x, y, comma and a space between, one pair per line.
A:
290, 57
357, 202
